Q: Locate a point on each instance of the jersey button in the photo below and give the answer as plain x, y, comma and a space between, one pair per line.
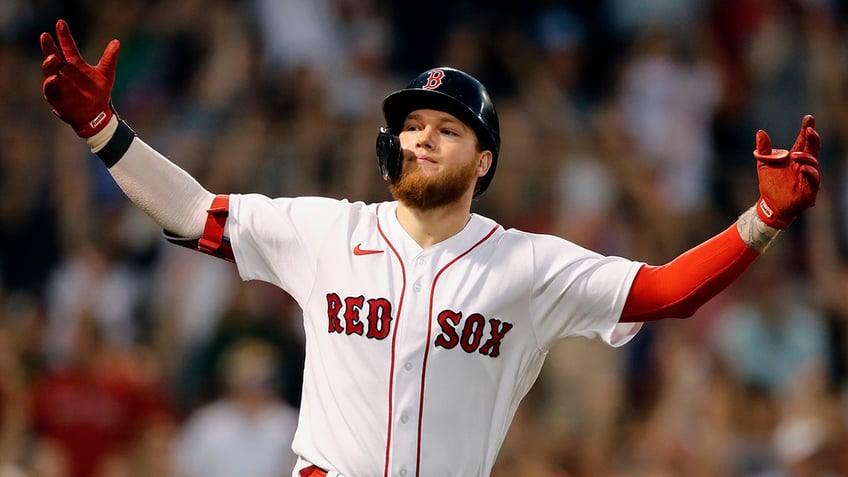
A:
402, 472
417, 286
407, 366
420, 261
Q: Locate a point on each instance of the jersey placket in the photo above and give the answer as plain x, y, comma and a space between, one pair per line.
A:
409, 371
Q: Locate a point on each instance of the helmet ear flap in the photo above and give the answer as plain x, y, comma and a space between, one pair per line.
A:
389, 156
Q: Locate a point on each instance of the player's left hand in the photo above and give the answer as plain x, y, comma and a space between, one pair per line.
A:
79, 92
789, 179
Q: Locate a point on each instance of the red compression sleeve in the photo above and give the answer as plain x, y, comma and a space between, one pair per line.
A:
678, 288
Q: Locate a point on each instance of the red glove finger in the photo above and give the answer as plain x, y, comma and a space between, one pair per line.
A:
764, 151
808, 166
67, 43
813, 143
48, 46
52, 89
51, 65
804, 158
801, 142
109, 61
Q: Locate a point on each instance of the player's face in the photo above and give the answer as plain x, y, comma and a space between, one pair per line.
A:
442, 160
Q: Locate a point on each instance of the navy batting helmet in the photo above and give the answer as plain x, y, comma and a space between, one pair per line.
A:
452, 91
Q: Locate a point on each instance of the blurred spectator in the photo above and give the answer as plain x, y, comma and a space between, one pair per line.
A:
30, 239
298, 34
801, 447
630, 19
668, 94
93, 281
189, 298
88, 410
259, 313
772, 336
558, 99
249, 429
14, 393
779, 63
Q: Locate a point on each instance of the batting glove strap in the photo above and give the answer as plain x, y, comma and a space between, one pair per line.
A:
116, 146
755, 232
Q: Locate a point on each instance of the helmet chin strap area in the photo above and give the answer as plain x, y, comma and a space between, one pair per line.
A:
389, 156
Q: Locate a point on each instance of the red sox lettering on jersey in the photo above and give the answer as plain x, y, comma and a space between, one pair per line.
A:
471, 334
371, 318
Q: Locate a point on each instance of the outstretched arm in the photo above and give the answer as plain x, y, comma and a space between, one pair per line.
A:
789, 182
80, 95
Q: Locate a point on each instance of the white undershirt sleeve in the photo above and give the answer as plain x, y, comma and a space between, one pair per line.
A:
167, 193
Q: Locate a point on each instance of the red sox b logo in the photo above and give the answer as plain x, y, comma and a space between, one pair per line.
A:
434, 80
356, 315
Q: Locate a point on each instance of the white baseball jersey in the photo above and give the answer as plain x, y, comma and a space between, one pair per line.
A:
417, 359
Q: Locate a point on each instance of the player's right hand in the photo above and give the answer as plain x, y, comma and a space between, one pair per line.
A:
79, 93
789, 179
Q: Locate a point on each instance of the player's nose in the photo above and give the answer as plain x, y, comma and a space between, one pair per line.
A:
424, 138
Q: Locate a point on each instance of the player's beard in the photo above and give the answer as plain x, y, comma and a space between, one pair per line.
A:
422, 191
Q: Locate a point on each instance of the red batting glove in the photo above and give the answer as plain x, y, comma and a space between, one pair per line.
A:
789, 180
79, 93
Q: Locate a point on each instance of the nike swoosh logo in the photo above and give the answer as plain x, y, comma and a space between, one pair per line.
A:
358, 250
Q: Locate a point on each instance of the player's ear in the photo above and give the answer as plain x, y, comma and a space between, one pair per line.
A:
484, 162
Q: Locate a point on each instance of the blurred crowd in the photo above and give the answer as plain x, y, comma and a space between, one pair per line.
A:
627, 126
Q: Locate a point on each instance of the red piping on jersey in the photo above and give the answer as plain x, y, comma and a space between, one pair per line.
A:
394, 340
427, 347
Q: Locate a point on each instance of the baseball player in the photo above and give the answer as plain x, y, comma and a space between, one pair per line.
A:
425, 323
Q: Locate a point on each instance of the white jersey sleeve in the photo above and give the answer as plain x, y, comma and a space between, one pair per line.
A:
587, 289
276, 240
